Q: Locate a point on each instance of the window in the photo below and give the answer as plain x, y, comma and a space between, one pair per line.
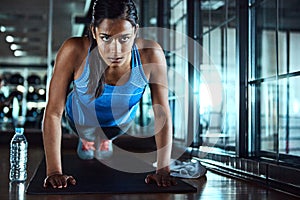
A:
274, 76
218, 72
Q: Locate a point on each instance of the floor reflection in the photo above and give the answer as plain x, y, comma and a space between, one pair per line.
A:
16, 191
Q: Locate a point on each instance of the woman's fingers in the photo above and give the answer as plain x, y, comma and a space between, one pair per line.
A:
163, 180
59, 181
71, 180
152, 178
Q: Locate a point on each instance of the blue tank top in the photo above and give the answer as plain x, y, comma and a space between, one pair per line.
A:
117, 105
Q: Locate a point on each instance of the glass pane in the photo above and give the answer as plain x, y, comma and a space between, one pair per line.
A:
218, 74
230, 85
178, 65
267, 61
294, 51
178, 10
213, 48
252, 120
288, 23
282, 52
283, 116
268, 116
215, 13
275, 106
265, 38
217, 88
292, 140
210, 89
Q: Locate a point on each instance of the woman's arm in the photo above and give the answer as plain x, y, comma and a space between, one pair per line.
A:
65, 66
163, 122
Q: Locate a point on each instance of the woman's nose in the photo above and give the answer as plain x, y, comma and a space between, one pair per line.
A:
116, 46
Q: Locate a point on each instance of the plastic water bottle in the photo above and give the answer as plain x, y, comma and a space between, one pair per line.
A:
18, 156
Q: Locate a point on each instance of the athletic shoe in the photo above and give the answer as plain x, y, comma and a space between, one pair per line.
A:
105, 150
83, 150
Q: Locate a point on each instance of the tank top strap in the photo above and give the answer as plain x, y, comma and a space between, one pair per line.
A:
136, 59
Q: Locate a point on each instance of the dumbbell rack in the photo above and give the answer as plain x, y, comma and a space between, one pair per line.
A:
28, 86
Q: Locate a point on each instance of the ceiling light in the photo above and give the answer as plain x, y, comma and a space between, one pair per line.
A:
9, 39
153, 21
7, 29
18, 53
14, 47
2, 29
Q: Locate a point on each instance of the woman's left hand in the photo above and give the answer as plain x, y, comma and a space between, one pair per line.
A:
162, 178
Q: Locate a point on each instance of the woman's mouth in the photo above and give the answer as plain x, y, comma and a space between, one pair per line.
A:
115, 59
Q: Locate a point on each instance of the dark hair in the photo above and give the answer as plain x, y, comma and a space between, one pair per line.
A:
106, 9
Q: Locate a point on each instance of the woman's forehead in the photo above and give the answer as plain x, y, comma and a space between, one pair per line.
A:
115, 26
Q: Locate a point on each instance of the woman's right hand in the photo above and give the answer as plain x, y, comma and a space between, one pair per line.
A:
59, 181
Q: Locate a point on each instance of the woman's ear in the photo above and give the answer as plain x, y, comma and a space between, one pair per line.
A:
93, 31
136, 28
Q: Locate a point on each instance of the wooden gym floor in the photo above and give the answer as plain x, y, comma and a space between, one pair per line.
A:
211, 187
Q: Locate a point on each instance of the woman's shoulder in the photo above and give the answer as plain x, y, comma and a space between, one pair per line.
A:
72, 53
147, 45
150, 51
75, 45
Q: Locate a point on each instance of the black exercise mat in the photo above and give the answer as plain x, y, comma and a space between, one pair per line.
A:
94, 177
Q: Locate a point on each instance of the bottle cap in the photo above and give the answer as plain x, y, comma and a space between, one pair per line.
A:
19, 130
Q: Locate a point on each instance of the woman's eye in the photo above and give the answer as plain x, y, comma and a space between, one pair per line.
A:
105, 38
124, 39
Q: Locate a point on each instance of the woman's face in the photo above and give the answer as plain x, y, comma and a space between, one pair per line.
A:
115, 38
